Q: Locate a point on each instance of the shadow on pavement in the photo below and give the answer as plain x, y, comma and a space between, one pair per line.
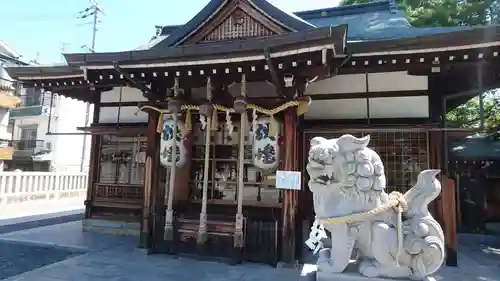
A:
29, 222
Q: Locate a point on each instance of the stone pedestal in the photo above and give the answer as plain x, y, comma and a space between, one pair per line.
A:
310, 272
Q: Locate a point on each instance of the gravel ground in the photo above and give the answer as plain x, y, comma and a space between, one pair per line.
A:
16, 258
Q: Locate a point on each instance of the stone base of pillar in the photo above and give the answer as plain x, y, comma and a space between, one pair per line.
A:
143, 240
237, 257
202, 231
238, 242
238, 238
169, 226
202, 236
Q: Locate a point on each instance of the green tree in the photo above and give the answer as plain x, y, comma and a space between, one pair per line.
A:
428, 13
468, 115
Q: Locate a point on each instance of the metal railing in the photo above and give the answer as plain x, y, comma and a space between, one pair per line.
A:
32, 97
29, 144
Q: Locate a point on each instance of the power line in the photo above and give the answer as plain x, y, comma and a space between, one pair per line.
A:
35, 17
92, 11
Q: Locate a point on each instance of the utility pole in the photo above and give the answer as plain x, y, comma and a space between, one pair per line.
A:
63, 49
93, 10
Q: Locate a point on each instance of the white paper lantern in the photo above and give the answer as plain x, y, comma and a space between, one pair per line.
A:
265, 148
167, 141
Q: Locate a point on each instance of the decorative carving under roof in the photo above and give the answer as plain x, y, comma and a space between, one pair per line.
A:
238, 25
237, 20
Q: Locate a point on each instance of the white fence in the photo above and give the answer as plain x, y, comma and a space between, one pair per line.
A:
33, 193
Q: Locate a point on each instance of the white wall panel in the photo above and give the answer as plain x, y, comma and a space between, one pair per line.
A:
396, 81
127, 95
337, 109
400, 107
377, 82
127, 115
351, 83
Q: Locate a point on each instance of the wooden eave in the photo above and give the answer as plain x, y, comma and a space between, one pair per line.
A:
63, 80
32, 72
295, 51
423, 53
198, 53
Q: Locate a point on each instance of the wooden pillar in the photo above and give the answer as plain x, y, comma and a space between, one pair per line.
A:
151, 186
447, 204
449, 211
290, 197
95, 143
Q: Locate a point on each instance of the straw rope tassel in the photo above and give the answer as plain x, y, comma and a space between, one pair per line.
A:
215, 121
272, 126
159, 128
188, 124
302, 107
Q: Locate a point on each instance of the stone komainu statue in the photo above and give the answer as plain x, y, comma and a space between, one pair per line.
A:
391, 235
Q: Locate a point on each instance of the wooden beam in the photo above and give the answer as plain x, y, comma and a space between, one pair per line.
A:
290, 201
412, 93
121, 104
290, 197
135, 83
447, 203
449, 222
94, 160
361, 123
275, 78
152, 223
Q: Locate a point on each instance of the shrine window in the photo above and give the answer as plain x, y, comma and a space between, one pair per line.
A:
122, 159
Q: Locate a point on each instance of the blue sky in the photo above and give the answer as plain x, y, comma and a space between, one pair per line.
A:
44, 27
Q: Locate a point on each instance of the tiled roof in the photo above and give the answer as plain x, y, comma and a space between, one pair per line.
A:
376, 20
370, 21
177, 35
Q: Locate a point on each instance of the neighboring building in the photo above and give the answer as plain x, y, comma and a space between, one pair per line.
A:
365, 69
44, 141
8, 100
26, 115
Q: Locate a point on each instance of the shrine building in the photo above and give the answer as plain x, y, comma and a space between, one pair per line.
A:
236, 93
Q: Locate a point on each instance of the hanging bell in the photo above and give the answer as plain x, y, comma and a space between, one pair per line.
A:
206, 109
240, 105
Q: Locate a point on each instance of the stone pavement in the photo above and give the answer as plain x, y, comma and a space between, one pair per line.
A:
114, 258
40, 207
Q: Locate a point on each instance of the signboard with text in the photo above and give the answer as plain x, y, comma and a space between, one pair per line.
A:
288, 180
